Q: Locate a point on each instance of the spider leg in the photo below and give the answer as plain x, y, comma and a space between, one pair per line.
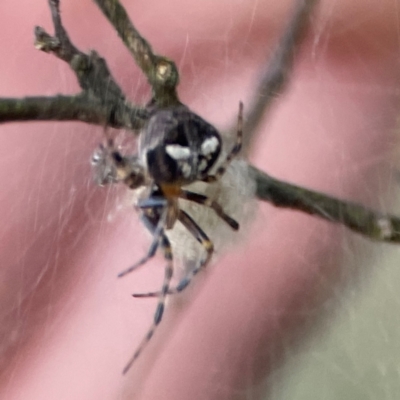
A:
234, 152
155, 224
204, 200
203, 239
152, 202
165, 244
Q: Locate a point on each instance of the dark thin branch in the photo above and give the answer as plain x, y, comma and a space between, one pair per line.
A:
278, 68
374, 225
71, 108
61, 108
90, 69
102, 101
64, 48
161, 72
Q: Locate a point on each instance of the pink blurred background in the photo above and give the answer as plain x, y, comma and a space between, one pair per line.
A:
67, 325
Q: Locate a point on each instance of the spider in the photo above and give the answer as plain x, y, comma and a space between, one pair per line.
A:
176, 148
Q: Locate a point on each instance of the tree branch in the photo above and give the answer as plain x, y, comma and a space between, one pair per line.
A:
374, 225
71, 108
161, 72
102, 101
275, 75
90, 69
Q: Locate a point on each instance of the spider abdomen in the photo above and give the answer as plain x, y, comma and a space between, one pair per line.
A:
178, 146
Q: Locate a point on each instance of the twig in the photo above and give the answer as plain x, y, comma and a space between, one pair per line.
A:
90, 69
275, 76
160, 71
101, 101
71, 108
374, 225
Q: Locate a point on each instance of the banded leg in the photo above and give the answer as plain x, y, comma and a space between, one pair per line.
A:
205, 201
203, 239
169, 270
156, 226
234, 152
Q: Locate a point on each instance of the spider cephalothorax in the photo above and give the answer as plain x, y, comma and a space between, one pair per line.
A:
176, 148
